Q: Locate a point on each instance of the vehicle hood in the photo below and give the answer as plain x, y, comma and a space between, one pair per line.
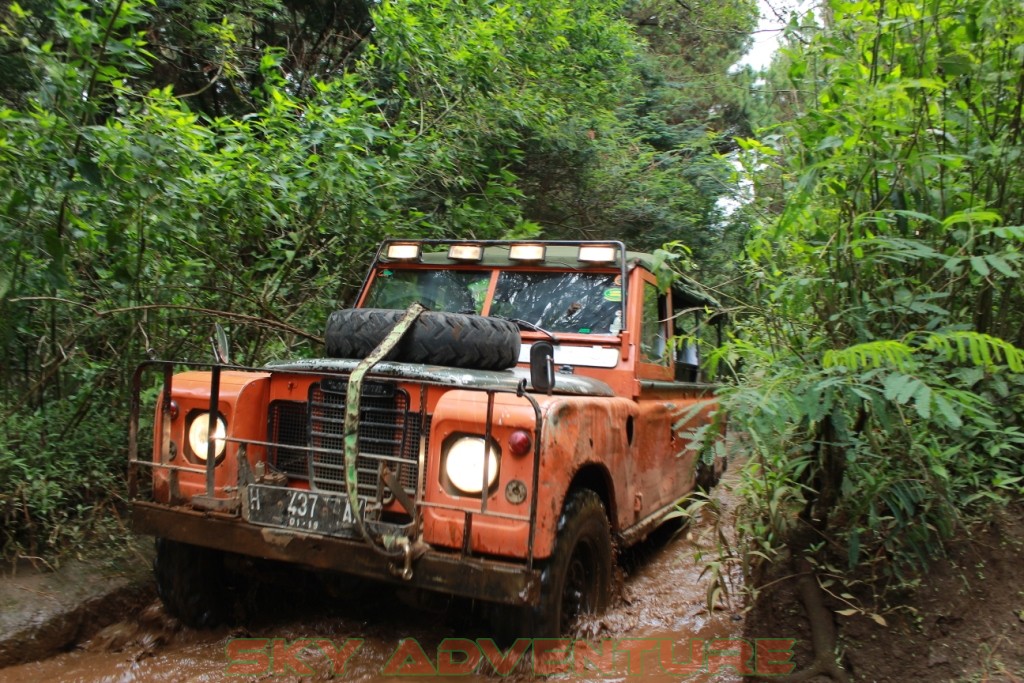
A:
507, 380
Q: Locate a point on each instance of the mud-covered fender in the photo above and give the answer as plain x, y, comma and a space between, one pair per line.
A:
585, 439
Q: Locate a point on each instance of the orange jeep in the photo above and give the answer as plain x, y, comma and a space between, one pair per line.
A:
492, 420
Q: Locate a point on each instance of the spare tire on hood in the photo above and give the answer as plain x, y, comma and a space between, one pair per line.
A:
436, 338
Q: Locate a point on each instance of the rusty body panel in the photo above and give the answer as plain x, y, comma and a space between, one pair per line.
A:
285, 485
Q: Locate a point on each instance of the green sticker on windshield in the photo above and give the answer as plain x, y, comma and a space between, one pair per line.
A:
613, 294
386, 273
479, 291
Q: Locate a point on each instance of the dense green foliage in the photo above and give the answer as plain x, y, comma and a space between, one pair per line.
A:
165, 166
881, 346
658, 176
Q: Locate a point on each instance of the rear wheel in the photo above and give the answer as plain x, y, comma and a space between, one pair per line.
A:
708, 475
190, 581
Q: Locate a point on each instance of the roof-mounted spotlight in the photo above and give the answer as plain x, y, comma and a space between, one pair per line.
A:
403, 251
590, 253
465, 252
526, 252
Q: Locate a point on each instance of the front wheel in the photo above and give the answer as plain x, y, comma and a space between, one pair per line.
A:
190, 581
576, 580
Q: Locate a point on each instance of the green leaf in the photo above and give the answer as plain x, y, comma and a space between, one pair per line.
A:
1000, 264
908, 390
899, 388
923, 401
947, 411
90, 171
971, 217
979, 265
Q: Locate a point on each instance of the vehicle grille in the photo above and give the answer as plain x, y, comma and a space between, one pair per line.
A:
389, 436
289, 426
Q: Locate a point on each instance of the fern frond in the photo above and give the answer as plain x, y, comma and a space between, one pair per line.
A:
887, 352
962, 346
975, 348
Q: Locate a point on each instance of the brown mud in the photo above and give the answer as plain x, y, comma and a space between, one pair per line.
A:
43, 611
661, 609
964, 622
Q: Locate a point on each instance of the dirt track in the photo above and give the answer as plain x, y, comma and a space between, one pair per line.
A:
661, 609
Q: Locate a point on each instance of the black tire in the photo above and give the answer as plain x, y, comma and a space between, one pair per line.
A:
190, 581
577, 579
453, 339
708, 476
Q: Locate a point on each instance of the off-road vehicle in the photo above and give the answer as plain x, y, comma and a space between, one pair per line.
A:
491, 420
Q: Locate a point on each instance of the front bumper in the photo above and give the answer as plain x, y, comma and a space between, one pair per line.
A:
445, 572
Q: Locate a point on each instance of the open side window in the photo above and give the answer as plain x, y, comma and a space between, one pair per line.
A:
687, 325
654, 326
697, 329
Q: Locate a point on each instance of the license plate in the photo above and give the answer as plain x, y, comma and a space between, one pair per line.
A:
316, 511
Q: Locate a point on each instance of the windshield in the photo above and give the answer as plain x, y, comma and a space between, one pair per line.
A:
584, 303
451, 291
587, 303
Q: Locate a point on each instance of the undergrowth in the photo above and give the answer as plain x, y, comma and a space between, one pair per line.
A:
62, 476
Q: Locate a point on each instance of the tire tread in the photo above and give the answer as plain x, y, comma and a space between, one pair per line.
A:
436, 338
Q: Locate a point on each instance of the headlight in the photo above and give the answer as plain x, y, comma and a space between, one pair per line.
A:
464, 464
199, 436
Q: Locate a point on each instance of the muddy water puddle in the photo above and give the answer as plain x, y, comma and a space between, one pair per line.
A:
650, 633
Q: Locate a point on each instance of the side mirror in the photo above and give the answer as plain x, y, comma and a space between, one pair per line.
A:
221, 346
542, 366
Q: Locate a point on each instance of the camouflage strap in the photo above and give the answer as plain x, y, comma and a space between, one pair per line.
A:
392, 548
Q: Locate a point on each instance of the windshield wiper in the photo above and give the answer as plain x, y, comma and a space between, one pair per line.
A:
527, 325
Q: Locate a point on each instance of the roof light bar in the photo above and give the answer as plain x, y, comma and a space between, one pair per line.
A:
465, 252
597, 254
403, 252
526, 252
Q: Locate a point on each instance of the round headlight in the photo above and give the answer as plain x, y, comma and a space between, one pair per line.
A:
199, 436
464, 464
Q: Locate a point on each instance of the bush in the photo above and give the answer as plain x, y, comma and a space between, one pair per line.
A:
62, 474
